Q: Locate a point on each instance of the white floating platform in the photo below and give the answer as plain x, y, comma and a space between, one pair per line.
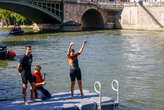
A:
62, 101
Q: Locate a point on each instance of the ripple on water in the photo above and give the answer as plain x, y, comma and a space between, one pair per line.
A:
135, 58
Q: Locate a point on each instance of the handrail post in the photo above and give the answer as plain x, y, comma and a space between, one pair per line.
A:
98, 92
116, 89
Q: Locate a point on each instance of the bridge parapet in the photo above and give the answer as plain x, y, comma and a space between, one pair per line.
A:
153, 4
103, 5
18, 0
106, 4
28, 0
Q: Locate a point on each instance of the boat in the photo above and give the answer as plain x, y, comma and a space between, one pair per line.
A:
5, 53
16, 31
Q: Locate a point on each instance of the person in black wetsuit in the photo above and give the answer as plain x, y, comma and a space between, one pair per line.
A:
75, 72
24, 69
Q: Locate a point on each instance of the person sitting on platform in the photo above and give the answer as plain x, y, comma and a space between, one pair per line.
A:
40, 91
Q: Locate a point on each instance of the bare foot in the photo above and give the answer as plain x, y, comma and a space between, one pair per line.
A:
72, 97
26, 103
82, 95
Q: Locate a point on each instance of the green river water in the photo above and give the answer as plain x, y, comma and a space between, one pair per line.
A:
134, 58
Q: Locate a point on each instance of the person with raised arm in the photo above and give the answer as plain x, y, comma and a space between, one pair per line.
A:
75, 72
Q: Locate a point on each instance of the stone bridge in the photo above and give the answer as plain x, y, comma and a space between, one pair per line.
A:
75, 15
39, 11
55, 14
92, 15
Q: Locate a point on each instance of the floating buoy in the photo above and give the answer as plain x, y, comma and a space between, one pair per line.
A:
11, 54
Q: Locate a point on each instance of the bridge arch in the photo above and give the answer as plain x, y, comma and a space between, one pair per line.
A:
92, 19
35, 13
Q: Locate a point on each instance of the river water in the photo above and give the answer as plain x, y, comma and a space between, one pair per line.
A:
134, 58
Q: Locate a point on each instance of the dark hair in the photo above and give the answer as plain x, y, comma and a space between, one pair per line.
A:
28, 46
72, 50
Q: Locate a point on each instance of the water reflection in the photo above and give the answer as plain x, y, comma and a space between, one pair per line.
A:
135, 58
3, 63
4, 34
22, 43
142, 54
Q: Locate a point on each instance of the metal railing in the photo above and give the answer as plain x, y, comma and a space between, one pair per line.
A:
115, 87
98, 90
121, 2
50, 6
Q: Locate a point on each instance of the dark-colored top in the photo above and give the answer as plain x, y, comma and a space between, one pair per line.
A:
26, 62
73, 61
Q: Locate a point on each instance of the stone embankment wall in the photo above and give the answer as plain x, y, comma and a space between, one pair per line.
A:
139, 16
143, 16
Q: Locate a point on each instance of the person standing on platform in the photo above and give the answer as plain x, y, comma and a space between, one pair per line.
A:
24, 69
75, 72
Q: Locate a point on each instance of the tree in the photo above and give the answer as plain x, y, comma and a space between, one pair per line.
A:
12, 18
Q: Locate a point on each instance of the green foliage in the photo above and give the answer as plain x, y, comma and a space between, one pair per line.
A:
12, 18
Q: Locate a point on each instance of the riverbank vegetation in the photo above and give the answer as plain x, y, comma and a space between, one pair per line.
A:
8, 18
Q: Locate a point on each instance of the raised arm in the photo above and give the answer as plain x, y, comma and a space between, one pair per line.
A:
82, 47
70, 47
19, 68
